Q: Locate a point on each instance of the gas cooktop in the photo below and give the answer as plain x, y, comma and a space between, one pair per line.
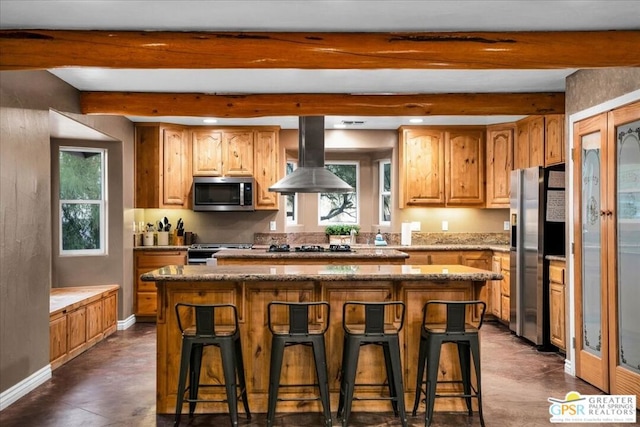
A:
209, 246
309, 248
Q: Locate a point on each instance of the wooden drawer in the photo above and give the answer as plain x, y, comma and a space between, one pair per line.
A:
146, 286
556, 274
155, 259
147, 304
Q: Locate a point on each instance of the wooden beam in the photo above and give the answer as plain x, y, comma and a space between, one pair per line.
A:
43, 49
203, 105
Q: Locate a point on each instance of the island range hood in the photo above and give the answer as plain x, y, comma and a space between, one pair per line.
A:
311, 176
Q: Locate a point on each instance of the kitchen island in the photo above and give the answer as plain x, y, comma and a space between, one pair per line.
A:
251, 288
356, 256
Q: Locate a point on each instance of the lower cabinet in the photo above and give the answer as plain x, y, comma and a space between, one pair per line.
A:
557, 322
145, 301
79, 318
500, 289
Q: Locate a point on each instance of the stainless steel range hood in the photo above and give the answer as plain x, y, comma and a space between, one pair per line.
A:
311, 175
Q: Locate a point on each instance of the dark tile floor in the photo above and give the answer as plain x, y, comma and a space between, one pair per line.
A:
113, 384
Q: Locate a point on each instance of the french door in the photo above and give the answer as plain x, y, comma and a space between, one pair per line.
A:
607, 255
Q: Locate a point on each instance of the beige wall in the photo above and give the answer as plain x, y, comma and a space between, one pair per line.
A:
26, 232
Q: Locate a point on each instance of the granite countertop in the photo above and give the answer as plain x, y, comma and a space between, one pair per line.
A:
432, 247
357, 252
293, 273
160, 248
556, 258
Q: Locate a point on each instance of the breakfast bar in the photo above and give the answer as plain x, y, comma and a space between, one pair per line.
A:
252, 287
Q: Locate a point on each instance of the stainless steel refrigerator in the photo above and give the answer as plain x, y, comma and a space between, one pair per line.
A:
537, 230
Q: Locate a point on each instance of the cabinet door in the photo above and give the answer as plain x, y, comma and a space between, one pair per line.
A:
554, 139
521, 147
499, 166
536, 141
238, 153
422, 173
556, 306
57, 339
207, 152
110, 311
77, 329
496, 288
465, 168
174, 173
145, 301
94, 321
267, 169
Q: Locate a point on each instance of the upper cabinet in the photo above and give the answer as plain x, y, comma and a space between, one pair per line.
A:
163, 166
169, 156
499, 164
554, 139
529, 144
222, 152
441, 166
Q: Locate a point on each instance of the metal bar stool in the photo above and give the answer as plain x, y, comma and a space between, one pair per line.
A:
460, 329
372, 330
298, 329
210, 325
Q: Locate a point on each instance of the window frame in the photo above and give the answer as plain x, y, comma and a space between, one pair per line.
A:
356, 163
382, 192
293, 221
102, 203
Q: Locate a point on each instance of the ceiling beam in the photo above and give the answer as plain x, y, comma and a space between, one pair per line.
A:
243, 106
42, 49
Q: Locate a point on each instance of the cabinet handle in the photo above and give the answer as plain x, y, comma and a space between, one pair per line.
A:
609, 213
602, 213
563, 276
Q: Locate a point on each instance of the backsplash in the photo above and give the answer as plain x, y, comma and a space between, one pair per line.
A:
363, 238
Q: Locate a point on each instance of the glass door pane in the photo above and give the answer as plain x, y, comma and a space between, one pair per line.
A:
591, 243
628, 244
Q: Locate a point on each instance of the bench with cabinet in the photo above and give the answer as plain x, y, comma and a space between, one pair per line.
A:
80, 317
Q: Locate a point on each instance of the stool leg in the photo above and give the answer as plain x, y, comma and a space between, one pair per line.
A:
277, 354
396, 369
422, 354
433, 363
227, 350
390, 379
185, 358
241, 378
320, 357
194, 376
475, 350
352, 352
342, 365
465, 369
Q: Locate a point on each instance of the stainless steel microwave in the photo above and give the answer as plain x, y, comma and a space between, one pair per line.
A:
225, 194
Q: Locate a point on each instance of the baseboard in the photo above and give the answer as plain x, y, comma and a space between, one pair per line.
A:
568, 368
126, 323
24, 387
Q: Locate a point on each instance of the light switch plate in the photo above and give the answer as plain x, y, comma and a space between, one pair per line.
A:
506, 225
272, 226
415, 226
445, 225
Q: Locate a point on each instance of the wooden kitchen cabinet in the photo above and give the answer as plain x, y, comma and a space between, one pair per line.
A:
162, 166
441, 166
80, 317
505, 288
557, 322
499, 164
206, 145
554, 139
529, 143
146, 300
495, 300
267, 169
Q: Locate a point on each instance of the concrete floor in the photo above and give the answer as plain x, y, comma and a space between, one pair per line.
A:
113, 384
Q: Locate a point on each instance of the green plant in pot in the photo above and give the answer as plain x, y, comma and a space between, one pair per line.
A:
340, 234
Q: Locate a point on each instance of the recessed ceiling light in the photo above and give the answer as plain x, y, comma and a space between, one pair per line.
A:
416, 120
210, 120
339, 126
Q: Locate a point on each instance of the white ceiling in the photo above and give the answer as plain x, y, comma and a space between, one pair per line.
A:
320, 16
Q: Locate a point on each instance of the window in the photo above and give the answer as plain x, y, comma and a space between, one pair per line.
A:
83, 196
384, 210
340, 207
291, 199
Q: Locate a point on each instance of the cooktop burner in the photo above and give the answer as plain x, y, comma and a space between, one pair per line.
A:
339, 248
310, 248
279, 248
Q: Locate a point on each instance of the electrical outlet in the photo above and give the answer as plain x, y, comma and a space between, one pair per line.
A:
445, 225
507, 225
272, 226
415, 226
